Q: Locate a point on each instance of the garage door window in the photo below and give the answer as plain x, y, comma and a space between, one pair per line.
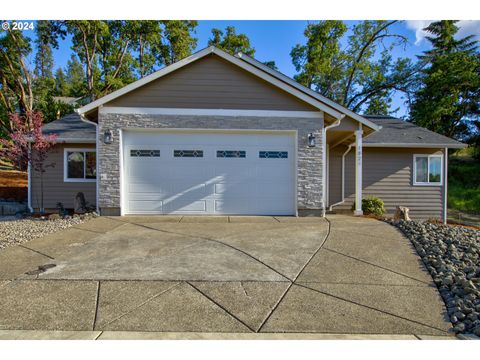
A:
273, 154
145, 153
80, 165
188, 153
231, 153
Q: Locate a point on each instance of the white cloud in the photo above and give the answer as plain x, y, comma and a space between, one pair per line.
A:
467, 27
418, 26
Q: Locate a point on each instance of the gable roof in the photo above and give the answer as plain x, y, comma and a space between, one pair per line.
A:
269, 75
71, 128
399, 133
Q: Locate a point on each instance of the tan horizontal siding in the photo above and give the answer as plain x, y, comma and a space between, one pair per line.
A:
387, 174
211, 83
55, 189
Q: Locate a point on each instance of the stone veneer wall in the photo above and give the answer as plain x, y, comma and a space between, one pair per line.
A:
309, 158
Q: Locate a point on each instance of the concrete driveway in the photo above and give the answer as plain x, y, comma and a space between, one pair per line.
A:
221, 274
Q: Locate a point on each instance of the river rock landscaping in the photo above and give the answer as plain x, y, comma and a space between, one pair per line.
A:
14, 231
452, 256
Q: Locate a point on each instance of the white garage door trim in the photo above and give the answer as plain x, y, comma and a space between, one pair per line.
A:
123, 178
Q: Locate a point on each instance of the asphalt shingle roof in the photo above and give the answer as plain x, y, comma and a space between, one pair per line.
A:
397, 131
71, 128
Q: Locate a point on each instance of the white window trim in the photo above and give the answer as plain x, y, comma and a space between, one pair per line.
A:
65, 165
428, 156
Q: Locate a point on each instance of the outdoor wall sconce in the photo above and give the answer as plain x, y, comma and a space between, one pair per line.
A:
311, 140
107, 137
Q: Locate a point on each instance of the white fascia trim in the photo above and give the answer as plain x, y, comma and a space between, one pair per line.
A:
211, 112
415, 145
312, 93
232, 59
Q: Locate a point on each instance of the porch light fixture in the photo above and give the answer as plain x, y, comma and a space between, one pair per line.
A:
311, 140
107, 137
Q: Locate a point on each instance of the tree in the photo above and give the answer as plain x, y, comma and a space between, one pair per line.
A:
115, 60
359, 75
178, 41
147, 43
448, 98
85, 43
75, 78
15, 77
271, 64
319, 62
231, 42
28, 145
44, 56
61, 85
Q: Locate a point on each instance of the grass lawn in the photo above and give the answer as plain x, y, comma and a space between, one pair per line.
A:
464, 184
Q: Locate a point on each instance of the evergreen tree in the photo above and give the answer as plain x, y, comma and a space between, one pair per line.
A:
43, 56
75, 78
61, 84
449, 94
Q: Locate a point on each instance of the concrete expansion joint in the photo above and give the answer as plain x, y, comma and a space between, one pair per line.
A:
38, 252
218, 242
375, 265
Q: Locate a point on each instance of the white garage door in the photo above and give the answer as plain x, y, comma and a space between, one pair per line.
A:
209, 173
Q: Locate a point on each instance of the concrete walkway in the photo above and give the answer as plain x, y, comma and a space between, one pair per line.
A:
160, 277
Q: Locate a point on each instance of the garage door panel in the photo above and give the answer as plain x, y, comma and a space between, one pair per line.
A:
189, 188
233, 205
237, 189
150, 188
275, 205
185, 205
145, 206
279, 171
239, 182
276, 189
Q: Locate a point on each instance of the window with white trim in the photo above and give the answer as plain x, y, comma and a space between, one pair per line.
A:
427, 170
80, 165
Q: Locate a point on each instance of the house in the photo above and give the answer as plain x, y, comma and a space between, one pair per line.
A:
222, 134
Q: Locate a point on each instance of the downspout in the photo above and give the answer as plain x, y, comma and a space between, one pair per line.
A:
343, 178
324, 161
97, 182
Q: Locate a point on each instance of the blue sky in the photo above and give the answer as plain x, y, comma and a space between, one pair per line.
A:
274, 39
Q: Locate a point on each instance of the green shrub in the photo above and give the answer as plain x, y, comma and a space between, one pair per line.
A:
372, 205
464, 185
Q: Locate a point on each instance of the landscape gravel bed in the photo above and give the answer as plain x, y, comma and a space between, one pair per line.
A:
14, 231
452, 256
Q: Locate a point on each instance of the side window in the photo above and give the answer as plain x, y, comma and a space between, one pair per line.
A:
427, 170
80, 165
